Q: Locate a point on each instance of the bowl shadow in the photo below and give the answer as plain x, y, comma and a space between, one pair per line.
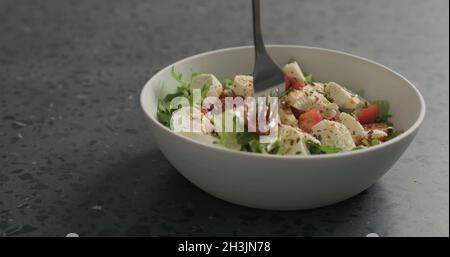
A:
145, 196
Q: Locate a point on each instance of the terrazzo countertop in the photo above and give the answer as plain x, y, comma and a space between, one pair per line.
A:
76, 155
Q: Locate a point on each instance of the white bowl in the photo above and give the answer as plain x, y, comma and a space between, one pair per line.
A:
288, 182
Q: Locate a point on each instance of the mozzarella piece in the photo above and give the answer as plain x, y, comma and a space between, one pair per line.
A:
190, 120
318, 87
343, 97
376, 133
287, 117
215, 87
294, 141
335, 134
186, 118
243, 85
294, 73
307, 98
356, 129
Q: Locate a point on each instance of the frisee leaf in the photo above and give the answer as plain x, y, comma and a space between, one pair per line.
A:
165, 110
177, 76
163, 113
170, 97
244, 138
229, 140
360, 93
227, 83
193, 75
309, 78
292, 60
204, 91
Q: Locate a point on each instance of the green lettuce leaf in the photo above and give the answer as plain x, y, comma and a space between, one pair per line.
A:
383, 115
316, 148
227, 83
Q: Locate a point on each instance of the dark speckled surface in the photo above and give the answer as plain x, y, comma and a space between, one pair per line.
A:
76, 155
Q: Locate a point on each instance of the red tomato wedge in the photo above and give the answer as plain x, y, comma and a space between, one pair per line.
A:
368, 114
308, 119
287, 82
295, 85
381, 139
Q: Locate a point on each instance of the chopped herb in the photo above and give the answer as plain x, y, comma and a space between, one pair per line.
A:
375, 141
365, 142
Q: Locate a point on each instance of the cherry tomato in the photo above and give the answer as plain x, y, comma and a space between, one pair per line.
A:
295, 85
308, 119
368, 114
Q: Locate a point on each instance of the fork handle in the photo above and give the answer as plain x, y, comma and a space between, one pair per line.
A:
257, 34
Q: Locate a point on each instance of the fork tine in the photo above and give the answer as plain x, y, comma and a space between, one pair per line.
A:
266, 72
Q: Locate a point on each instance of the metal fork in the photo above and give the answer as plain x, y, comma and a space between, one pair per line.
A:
266, 73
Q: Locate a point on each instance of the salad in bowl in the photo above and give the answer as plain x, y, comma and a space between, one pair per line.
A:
303, 117
313, 144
